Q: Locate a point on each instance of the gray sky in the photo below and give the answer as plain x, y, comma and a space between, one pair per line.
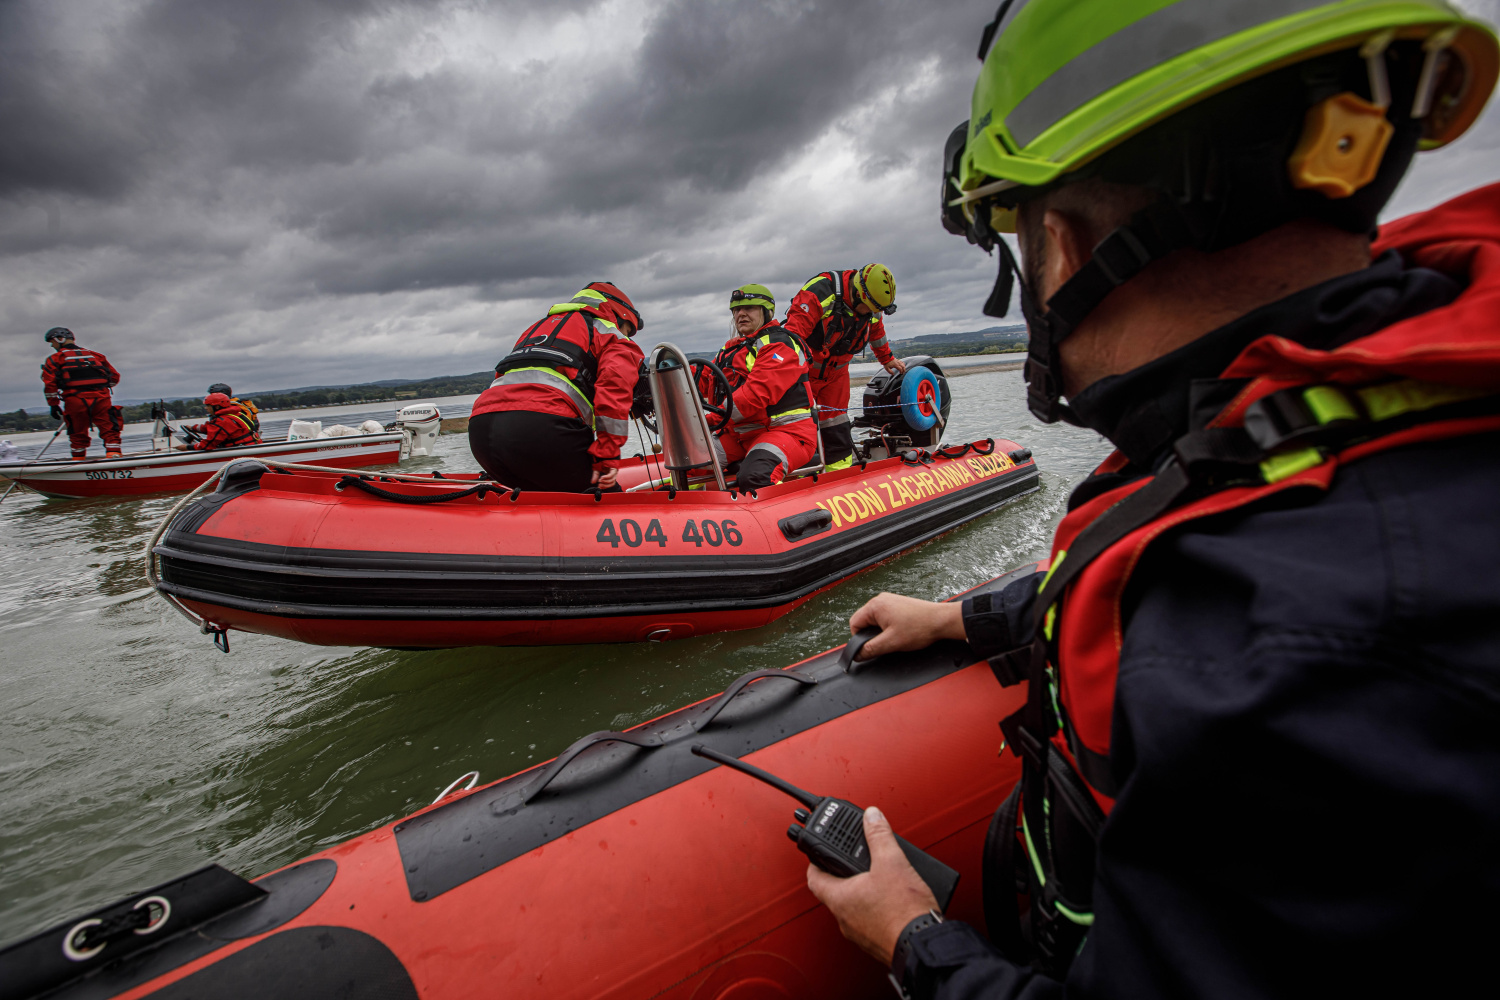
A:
291, 192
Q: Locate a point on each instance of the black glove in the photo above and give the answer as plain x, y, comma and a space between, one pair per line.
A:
56, 412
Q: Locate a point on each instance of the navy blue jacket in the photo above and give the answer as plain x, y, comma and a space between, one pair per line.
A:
1307, 720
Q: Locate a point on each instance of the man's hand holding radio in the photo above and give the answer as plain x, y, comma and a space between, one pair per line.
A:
874, 907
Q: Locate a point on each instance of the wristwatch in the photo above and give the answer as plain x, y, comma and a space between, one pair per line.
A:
903, 964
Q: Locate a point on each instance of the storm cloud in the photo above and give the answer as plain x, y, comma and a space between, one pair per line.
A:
293, 192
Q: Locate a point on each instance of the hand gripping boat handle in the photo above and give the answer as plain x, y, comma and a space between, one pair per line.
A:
853, 646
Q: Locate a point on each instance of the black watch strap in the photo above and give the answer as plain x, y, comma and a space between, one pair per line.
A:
903, 963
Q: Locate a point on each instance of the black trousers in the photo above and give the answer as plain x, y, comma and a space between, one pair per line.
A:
533, 451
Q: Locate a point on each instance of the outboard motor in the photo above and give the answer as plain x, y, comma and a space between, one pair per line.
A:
906, 409
420, 424
161, 428
687, 443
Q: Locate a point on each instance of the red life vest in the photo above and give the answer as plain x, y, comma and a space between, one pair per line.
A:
77, 370
235, 422
839, 332
738, 361
1302, 415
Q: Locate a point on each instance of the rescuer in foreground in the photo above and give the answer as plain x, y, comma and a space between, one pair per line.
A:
771, 430
558, 411
232, 422
77, 382
1260, 753
837, 314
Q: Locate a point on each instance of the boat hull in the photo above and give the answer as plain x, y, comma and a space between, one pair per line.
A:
311, 558
172, 472
639, 870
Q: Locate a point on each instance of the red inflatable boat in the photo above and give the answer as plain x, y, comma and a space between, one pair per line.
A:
626, 867
377, 561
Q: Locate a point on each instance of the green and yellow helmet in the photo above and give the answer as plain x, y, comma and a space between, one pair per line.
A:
753, 295
1242, 114
876, 287
1064, 81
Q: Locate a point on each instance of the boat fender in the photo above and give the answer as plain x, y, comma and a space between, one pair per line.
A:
847, 661
806, 524
173, 923
241, 477
1019, 455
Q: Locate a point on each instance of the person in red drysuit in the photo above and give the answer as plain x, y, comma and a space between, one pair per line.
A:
77, 382
234, 422
837, 314
771, 430
558, 411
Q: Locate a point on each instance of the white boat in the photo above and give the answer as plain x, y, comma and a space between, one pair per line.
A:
163, 470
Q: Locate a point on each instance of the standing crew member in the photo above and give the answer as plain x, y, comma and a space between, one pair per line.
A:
771, 430
837, 314
231, 424
558, 411
1259, 749
77, 382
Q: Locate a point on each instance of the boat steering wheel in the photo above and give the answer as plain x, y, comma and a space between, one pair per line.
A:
717, 403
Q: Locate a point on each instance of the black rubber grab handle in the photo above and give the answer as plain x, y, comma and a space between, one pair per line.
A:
854, 645
566, 757
742, 682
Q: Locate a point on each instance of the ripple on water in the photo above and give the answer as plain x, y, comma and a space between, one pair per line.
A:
133, 751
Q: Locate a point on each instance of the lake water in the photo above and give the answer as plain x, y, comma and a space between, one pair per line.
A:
132, 751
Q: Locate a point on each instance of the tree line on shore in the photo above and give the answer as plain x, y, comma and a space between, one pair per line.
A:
443, 385
21, 421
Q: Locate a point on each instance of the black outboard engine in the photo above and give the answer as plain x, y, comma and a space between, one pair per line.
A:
905, 410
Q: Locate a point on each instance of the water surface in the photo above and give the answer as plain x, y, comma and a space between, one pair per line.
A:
132, 751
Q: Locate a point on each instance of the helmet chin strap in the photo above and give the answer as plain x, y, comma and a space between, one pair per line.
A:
1151, 234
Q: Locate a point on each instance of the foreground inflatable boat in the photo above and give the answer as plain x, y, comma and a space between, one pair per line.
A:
626, 867
342, 559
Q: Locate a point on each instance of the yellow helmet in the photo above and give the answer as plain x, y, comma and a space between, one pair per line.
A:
876, 287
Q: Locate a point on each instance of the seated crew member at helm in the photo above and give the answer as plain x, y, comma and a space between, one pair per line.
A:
1268, 625
232, 422
771, 431
558, 411
838, 314
77, 382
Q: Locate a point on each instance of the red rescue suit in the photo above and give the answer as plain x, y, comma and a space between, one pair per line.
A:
1302, 415
234, 423
771, 410
823, 315
573, 363
78, 380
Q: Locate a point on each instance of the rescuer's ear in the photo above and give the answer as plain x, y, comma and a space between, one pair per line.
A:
1067, 249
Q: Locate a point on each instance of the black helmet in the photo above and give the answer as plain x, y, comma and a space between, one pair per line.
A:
220, 387
59, 333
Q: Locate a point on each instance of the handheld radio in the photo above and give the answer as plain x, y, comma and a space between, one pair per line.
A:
831, 832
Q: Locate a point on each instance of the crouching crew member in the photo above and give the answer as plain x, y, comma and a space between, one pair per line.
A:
838, 314
77, 382
558, 411
771, 430
231, 423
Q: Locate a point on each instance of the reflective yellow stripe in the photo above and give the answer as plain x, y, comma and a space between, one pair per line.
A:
1279, 467
1328, 403
552, 379
1410, 396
